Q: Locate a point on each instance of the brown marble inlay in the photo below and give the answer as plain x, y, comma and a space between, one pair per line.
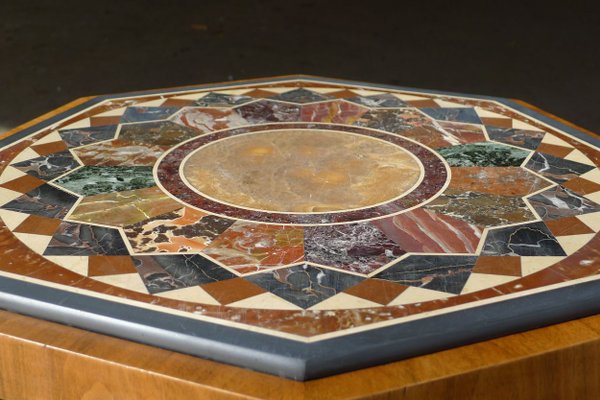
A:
302, 171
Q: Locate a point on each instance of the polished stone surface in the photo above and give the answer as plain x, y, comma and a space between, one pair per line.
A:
303, 209
302, 171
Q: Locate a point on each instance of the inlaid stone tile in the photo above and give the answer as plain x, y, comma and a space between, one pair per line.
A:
467, 115
44, 200
442, 273
248, 247
483, 155
304, 285
221, 100
183, 230
91, 180
82, 136
359, 248
379, 101
503, 181
557, 169
301, 96
559, 202
38, 225
84, 240
516, 137
142, 114
48, 167
168, 272
124, 208
534, 239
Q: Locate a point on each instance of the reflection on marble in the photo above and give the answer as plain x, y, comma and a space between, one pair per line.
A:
301, 171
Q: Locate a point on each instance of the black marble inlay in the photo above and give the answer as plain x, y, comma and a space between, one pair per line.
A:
73, 239
82, 136
221, 100
265, 111
48, 167
533, 239
45, 200
516, 137
140, 114
559, 202
394, 121
556, 169
304, 285
301, 96
169, 272
442, 273
458, 114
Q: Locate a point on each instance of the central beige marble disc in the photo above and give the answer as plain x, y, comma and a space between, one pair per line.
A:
301, 170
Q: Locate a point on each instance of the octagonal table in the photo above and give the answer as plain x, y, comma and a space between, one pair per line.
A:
299, 227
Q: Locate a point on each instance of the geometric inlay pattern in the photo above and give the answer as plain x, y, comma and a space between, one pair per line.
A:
298, 207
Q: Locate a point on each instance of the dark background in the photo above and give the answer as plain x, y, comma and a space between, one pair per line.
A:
56, 51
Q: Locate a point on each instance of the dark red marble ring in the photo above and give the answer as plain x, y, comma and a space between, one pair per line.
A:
435, 176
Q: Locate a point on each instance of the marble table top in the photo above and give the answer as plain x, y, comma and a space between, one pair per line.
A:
300, 226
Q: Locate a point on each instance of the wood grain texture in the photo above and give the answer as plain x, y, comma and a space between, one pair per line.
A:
45, 360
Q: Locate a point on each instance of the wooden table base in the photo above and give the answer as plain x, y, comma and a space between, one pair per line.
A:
44, 360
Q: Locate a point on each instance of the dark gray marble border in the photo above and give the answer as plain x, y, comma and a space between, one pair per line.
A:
297, 360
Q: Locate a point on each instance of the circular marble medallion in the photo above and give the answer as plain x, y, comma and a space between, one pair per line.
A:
302, 171
302, 174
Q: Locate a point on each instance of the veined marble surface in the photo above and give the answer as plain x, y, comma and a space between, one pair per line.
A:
302, 171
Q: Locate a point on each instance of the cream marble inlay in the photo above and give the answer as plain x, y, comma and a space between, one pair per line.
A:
304, 171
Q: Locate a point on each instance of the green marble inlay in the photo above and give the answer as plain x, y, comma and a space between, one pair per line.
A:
483, 155
92, 180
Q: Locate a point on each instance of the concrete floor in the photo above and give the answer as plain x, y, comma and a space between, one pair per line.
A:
52, 52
